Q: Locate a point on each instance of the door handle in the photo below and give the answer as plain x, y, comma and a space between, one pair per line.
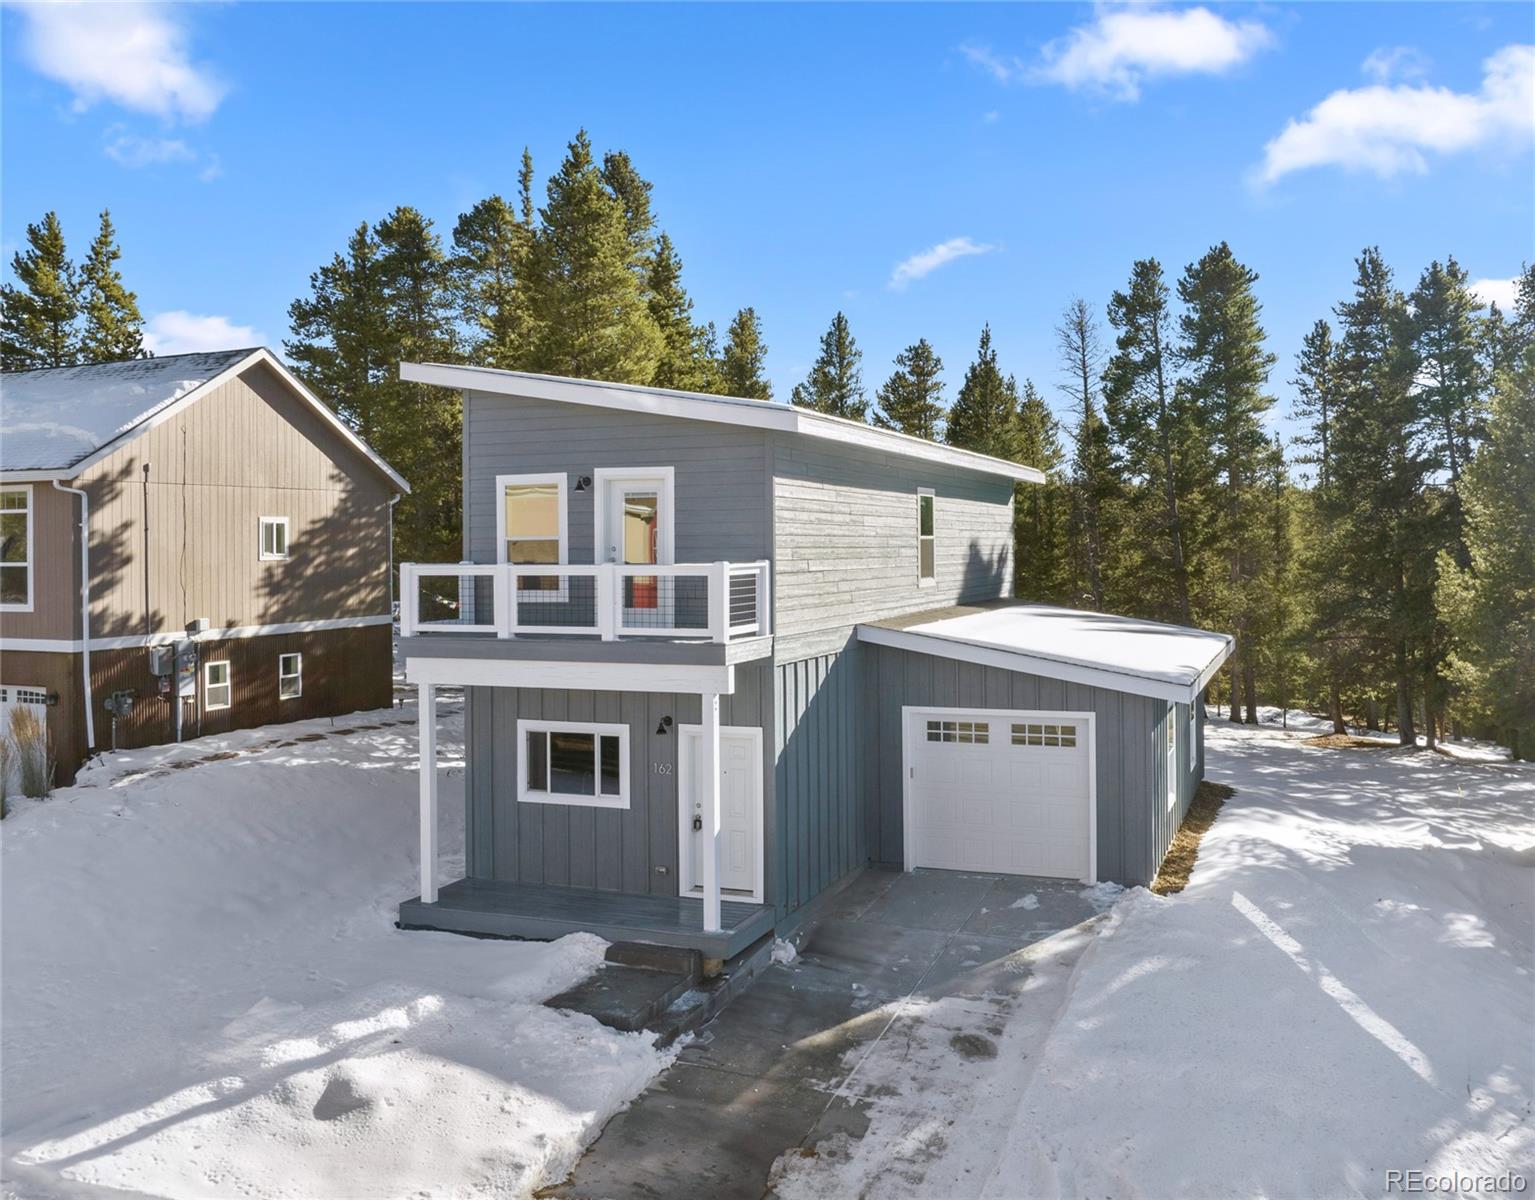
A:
698, 823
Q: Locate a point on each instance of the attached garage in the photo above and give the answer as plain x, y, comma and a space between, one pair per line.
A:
1032, 740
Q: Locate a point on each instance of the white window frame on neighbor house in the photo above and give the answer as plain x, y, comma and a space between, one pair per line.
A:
297, 675
227, 687
1172, 757
1193, 734
598, 799
273, 555
930, 538
29, 566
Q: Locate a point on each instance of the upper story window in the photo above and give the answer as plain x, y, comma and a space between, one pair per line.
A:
927, 559
16, 549
570, 762
274, 539
532, 524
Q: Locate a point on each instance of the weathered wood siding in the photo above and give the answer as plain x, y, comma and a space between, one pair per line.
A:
820, 804
55, 568
621, 850
249, 449
1132, 821
722, 497
845, 540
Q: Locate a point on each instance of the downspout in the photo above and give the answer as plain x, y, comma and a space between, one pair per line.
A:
85, 611
395, 499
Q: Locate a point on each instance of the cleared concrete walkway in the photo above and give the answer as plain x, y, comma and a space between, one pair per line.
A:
801, 1057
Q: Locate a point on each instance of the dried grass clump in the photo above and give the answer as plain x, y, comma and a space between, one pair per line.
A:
7, 765
33, 750
1345, 741
1173, 875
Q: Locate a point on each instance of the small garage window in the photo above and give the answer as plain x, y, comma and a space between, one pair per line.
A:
970, 733
1028, 734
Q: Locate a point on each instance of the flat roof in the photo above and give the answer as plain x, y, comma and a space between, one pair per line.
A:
698, 406
1124, 654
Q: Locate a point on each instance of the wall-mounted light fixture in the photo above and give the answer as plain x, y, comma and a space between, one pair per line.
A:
583, 482
666, 723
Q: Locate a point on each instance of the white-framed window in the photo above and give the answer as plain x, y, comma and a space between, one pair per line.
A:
1193, 734
532, 525
1027, 733
971, 733
927, 547
16, 564
274, 539
290, 676
1172, 757
573, 762
218, 691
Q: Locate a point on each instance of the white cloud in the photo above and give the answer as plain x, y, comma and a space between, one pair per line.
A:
130, 150
132, 54
1389, 130
1395, 62
1004, 68
1123, 47
1501, 292
927, 261
180, 332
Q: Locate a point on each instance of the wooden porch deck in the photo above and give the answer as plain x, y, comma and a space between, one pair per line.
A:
542, 912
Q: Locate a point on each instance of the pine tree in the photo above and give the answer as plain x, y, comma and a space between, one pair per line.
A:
585, 287
37, 319
835, 382
687, 361
984, 416
1227, 368
492, 252
1316, 387
633, 193
1094, 489
744, 359
114, 330
911, 400
1042, 553
1449, 381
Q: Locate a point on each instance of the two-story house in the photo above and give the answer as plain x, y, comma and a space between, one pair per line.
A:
194, 541
720, 653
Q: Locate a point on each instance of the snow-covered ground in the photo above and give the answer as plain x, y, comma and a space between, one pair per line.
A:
204, 995
1346, 988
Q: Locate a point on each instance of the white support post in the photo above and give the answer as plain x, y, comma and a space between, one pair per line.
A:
764, 599
426, 699
709, 785
608, 588
719, 601
504, 591
409, 592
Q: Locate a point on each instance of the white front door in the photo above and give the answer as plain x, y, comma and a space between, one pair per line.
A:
994, 790
740, 810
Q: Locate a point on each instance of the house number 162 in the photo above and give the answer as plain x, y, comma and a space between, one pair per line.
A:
661, 768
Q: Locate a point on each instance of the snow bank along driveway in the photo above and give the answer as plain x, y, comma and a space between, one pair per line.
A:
204, 994
1346, 988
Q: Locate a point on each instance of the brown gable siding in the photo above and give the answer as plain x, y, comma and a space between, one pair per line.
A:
56, 569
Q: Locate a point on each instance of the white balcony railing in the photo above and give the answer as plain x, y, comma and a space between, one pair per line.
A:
701, 601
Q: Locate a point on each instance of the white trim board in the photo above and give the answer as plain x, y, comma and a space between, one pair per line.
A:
573, 676
1034, 664
76, 645
909, 711
695, 406
686, 885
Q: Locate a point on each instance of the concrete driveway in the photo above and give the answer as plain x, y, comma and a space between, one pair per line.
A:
904, 970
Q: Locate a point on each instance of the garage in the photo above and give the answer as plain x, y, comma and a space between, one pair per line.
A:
1000, 790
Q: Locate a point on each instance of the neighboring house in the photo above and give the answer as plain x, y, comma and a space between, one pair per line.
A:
217, 494
721, 653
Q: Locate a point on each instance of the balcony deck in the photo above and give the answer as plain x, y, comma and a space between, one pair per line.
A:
543, 912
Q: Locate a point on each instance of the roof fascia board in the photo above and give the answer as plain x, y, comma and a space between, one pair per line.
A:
1033, 664
34, 476
756, 414
1215, 664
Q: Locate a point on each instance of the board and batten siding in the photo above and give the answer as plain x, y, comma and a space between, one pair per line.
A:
248, 449
721, 487
1133, 826
845, 540
55, 569
611, 849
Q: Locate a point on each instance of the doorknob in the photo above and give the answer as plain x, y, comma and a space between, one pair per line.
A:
698, 823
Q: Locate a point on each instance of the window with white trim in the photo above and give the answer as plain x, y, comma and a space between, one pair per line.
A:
16, 549
1193, 735
274, 539
532, 525
573, 762
1027, 733
927, 547
290, 676
1172, 757
218, 691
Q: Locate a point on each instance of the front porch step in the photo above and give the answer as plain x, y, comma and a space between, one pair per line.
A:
625, 997
702, 1002
677, 959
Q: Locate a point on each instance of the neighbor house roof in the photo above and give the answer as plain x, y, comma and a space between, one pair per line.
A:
697, 406
1122, 654
56, 422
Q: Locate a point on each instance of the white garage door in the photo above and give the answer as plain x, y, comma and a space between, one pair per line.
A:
998, 791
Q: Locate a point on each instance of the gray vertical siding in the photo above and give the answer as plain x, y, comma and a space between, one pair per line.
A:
819, 801
610, 849
1133, 825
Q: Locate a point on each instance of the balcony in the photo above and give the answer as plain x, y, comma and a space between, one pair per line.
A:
717, 603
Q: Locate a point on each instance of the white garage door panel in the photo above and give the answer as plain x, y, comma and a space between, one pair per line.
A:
985, 804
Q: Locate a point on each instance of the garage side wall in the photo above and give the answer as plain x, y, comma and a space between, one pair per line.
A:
1133, 824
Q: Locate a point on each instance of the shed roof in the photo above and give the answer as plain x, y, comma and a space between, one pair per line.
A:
698, 406
56, 421
1123, 654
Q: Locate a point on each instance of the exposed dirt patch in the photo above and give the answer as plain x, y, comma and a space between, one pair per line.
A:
1173, 876
973, 1045
1346, 741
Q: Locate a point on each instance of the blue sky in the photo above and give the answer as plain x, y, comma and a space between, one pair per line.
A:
1012, 156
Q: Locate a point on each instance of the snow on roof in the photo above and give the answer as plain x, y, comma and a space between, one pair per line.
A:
53, 418
1173, 662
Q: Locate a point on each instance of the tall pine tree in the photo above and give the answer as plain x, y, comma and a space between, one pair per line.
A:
835, 382
1042, 553
113, 329
493, 247
911, 400
1316, 398
743, 362
37, 318
984, 416
686, 359
1094, 487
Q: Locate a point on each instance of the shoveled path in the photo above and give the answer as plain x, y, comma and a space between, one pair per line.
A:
775, 1071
